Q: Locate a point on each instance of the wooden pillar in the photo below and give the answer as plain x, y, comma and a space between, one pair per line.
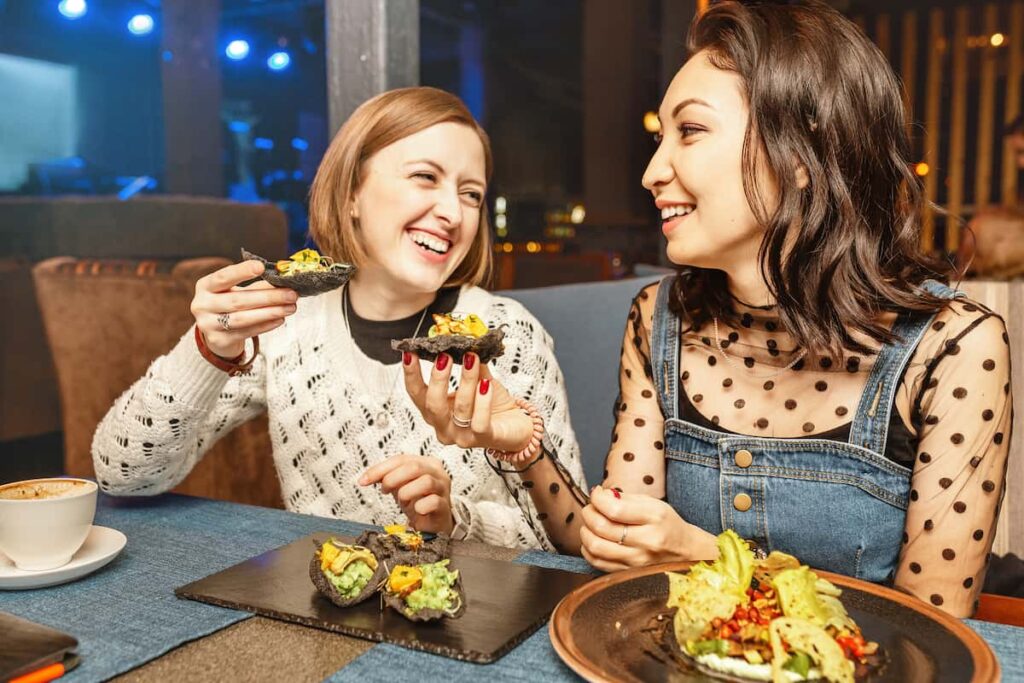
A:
192, 96
372, 46
986, 112
933, 136
612, 112
1013, 75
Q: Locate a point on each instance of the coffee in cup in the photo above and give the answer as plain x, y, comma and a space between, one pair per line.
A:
43, 522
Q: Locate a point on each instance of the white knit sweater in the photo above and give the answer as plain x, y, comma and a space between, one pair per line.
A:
321, 394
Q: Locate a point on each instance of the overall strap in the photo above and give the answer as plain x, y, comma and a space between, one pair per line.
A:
665, 332
870, 428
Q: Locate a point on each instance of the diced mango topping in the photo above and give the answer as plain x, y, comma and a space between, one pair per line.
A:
404, 579
394, 529
328, 553
410, 538
304, 261
469, 325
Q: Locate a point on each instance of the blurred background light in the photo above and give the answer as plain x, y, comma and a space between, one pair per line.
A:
279, 61
237, 49
72, 9
140, 24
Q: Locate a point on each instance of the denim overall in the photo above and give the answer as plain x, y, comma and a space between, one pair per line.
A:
836, 506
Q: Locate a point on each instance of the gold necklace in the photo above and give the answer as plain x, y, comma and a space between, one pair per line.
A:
729, 359
381, 419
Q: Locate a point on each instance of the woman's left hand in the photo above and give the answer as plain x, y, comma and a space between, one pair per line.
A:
623, 530
421, 487
479, 414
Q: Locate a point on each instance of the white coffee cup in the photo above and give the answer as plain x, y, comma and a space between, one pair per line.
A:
43, 522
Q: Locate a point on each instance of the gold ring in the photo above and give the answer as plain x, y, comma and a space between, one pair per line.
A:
622, 538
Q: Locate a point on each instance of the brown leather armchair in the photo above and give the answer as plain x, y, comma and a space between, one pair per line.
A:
106, 321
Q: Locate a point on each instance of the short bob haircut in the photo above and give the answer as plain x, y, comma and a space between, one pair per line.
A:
847, 247
377, 123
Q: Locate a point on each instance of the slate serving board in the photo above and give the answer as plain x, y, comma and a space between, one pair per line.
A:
506, 602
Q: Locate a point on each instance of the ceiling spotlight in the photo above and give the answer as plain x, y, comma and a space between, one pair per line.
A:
279, 61
237, 49
140, 24
72, 9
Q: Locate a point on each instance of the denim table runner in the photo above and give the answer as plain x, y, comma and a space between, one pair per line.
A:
126, 614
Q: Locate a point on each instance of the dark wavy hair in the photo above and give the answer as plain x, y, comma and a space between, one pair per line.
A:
845, 248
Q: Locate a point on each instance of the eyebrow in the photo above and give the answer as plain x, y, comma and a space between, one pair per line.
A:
440, 169
687, 102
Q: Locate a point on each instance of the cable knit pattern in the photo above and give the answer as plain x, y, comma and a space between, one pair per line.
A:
322, 396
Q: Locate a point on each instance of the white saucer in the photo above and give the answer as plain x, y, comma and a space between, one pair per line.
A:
101, 546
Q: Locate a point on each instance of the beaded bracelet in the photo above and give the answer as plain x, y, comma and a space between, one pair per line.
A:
531, 449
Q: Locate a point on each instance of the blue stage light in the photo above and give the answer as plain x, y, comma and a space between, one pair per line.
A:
263, 143
300, 144
140, 24
238, 127
72, 9
237, 49
279, 61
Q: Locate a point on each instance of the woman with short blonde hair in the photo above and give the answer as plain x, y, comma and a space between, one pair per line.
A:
400, 194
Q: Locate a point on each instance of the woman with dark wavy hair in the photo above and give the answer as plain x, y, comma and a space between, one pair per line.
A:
807, 378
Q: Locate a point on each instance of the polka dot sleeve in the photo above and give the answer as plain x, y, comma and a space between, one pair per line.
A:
636, 459
963, 421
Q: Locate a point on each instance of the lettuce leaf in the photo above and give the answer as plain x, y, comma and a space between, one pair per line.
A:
710, 590
803, 636
804, 595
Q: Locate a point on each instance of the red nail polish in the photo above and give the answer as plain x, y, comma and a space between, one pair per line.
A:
442, 361
485, 384
468, 360
406, 358
615, 492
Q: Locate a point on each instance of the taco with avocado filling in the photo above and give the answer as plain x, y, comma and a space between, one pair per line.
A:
456, 334
743, 619
400, 544
345, 574
305, 271
425, 592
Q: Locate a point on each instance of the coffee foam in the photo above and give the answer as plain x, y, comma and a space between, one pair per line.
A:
40, 490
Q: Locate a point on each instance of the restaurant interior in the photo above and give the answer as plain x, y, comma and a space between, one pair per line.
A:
144, 142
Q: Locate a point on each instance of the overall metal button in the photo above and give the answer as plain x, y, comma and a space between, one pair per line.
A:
743, 458
742, 502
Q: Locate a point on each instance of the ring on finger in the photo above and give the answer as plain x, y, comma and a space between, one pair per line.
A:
459, 421
225, 321
622, 538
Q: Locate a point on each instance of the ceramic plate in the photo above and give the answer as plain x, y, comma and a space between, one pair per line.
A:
602, 631
101, 546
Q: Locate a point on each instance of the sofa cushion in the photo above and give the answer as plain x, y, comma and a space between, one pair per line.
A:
587, 322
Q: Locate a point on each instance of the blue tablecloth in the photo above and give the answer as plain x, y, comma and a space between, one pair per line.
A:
126, 614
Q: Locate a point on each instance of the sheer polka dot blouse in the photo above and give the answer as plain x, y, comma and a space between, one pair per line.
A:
951, 423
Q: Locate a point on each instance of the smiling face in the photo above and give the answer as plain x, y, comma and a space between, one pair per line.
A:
696, 174
419, 206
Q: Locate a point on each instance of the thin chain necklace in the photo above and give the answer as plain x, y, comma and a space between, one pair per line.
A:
381, 419
742, 368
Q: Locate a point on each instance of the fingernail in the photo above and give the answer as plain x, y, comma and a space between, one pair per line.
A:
615, 492
468, 360
485, 384
362, 480
442, 361
406, 358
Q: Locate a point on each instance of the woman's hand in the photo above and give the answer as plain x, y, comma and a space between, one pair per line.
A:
421, 487
227, 314
623, 530
481, 403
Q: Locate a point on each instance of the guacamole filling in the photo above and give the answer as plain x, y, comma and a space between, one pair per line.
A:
347, 567
427, 586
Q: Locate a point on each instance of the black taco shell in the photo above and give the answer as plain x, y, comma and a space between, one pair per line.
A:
323, 585
487, 347
397, 602
388, 547
305, 284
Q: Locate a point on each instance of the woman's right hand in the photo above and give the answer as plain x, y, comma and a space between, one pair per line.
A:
227, 314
